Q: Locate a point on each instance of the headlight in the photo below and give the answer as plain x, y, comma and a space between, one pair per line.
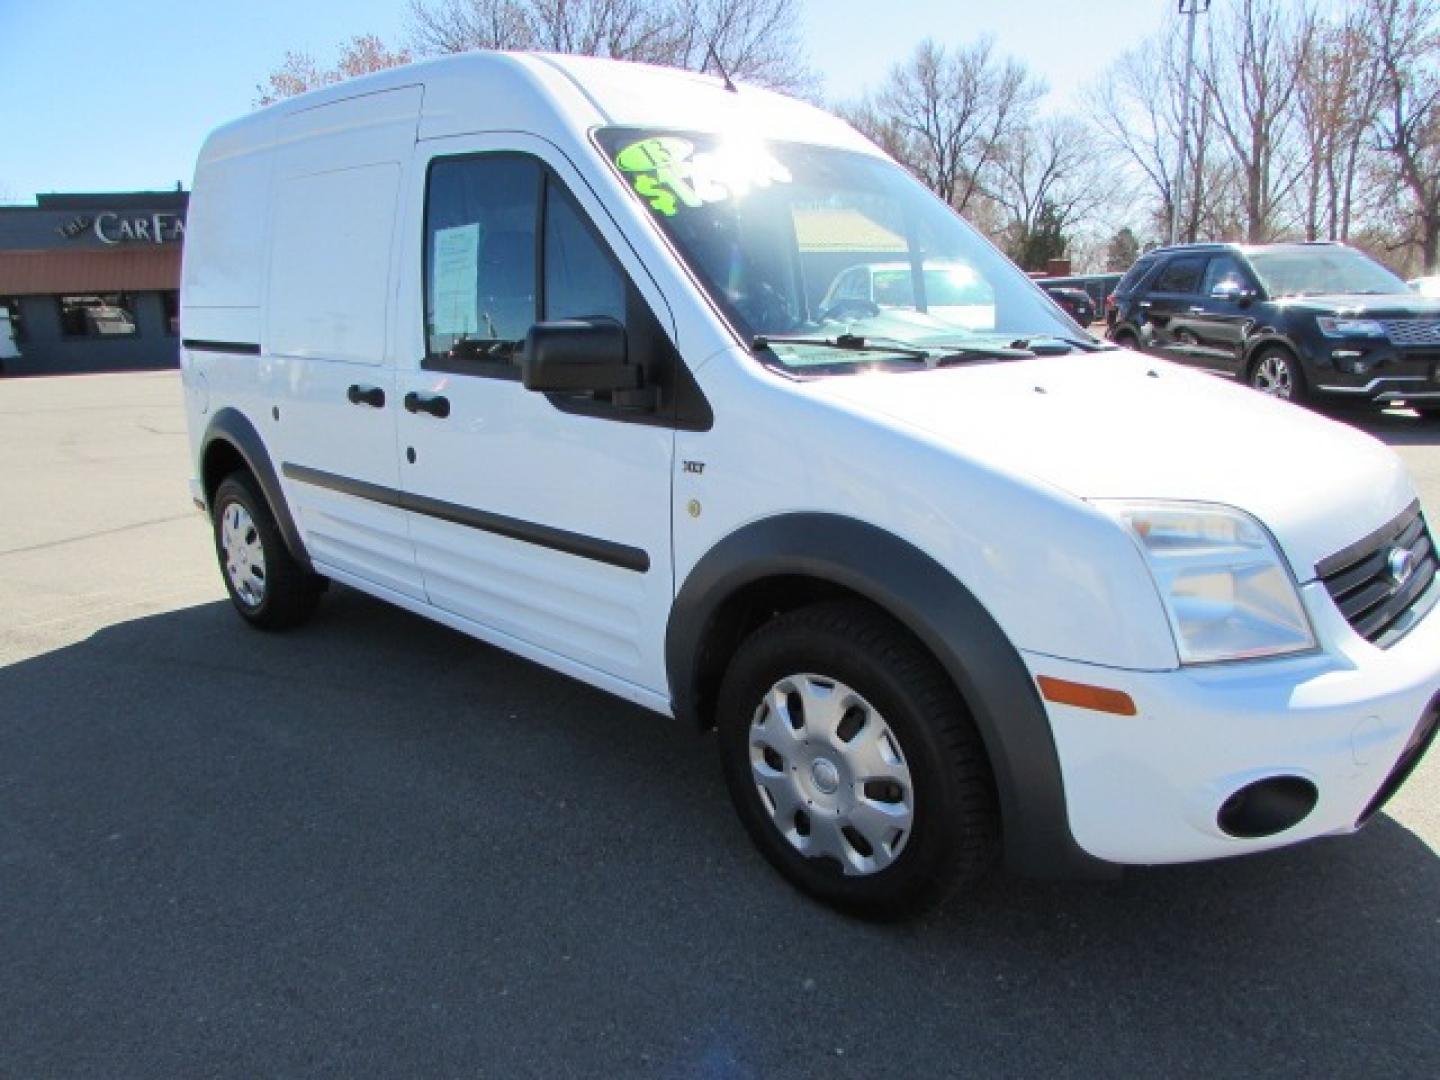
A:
1228, 593
1351, 327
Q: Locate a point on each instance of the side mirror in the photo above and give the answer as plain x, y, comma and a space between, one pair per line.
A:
1232, 290
578, 356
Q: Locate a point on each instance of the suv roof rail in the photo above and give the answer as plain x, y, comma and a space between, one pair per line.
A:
1199, 245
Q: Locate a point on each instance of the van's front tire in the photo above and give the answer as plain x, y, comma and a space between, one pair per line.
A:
269, 588
853, 763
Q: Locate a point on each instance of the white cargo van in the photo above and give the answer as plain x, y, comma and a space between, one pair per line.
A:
564, 354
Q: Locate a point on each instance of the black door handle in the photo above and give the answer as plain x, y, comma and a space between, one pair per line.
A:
434, 404
366, 395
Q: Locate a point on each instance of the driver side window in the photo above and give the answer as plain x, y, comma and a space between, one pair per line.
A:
1223, 270
506, 246
480, 252
581, 279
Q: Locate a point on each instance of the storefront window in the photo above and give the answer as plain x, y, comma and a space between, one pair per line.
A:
100, 315
10, 305
170, 302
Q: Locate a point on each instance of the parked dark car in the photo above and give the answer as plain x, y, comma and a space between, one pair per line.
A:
1305, 322
1096, 286
1076, 302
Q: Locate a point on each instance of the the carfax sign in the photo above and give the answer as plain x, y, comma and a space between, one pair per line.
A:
112, 227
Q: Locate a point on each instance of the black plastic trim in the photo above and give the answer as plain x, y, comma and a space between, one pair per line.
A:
1419, 743
571, 543
240, 348
947, 619
1366, 545
233, 427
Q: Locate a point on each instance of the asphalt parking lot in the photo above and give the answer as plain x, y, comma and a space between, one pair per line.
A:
375, 847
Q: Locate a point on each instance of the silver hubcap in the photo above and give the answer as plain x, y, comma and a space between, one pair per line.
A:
831, 774
244, 557
1273, 376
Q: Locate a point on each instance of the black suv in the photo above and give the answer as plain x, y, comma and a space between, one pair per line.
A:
1300, 321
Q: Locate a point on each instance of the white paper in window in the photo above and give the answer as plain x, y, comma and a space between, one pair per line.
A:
457, 271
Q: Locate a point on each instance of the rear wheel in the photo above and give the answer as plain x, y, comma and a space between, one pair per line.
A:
265, 582
1126, 340
853, 763
1276, 372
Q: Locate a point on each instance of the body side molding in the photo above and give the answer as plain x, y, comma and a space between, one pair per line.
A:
239, 348
925, 597
547, 536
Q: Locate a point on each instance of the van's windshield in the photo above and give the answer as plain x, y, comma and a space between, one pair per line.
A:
824, 245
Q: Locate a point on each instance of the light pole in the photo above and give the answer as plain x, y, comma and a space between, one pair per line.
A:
1190, 10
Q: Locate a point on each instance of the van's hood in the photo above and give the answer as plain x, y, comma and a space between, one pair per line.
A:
1116, 425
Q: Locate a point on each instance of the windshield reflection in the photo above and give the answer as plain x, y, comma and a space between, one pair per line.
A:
801, 241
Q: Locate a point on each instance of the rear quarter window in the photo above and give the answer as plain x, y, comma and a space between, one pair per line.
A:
1181, 275
1131, 281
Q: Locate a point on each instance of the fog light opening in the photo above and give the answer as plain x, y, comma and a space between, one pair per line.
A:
1267, 807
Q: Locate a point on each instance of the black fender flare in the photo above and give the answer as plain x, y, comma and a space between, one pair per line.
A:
231, 426
1263, 339
944, 615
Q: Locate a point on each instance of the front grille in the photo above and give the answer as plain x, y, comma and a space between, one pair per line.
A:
1412, 332
1381, 604
1420, 740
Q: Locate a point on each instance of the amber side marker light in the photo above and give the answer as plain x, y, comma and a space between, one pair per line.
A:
1085, 696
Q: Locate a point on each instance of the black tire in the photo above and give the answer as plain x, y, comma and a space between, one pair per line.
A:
953, 839
288, 592
1286, 361
1127, 340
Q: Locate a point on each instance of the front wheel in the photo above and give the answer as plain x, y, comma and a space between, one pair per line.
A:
853, 763
265, 582
1276, 372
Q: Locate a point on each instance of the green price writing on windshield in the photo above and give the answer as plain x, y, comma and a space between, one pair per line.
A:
669, 174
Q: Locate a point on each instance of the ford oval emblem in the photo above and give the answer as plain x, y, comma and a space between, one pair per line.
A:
1402, 564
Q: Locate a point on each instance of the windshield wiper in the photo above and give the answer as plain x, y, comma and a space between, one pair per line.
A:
1044, 345
964, 353
845, 343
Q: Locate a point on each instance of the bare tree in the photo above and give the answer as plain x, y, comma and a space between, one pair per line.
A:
1137, 106
1337, 100
300, 72
1406, 36
945, 114
1048, 175
450, 26
759, 40
1257, 50
756, 40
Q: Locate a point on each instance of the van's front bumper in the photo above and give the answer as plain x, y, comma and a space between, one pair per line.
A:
1149, 788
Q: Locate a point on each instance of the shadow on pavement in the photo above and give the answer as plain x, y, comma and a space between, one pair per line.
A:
1394, 427
374, 846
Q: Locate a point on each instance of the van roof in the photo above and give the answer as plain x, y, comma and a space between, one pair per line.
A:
547, 94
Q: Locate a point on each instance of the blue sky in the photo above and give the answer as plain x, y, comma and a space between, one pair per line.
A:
108, 96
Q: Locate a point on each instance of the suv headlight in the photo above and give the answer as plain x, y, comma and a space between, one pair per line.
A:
1351, 327
1227, 591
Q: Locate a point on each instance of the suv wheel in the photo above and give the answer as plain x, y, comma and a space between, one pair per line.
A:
1276, 372
853, 763
1126, 340
266, 585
